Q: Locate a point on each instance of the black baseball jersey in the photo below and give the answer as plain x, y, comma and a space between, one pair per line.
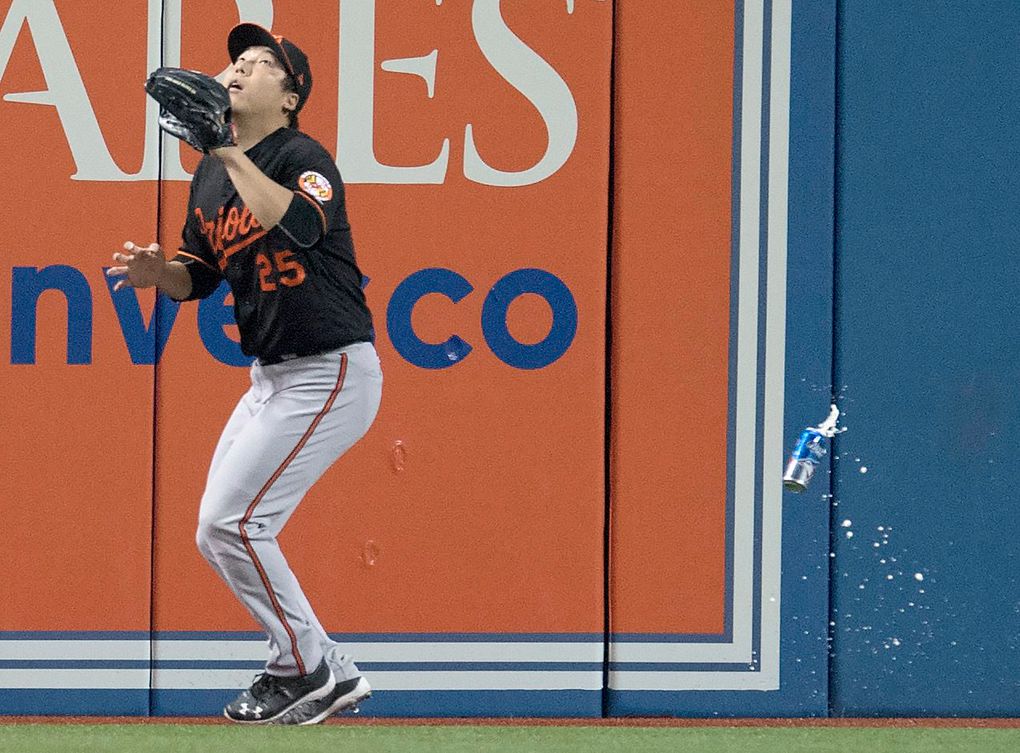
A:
297, 287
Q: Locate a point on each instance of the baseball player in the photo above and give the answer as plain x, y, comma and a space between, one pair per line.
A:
266, 212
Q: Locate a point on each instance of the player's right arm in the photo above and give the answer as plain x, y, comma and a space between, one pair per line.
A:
147, 267
191, 274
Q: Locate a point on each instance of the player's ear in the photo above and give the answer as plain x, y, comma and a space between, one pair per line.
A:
290, 102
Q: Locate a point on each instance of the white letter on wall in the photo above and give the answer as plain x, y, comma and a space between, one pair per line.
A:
355, 147
533, 77
66, 90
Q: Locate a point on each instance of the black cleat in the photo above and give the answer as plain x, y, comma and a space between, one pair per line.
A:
345, 696
270, 696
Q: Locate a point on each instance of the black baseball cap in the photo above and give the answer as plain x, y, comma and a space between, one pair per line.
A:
289, 54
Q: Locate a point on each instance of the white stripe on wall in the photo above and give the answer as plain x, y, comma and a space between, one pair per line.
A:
41, 650
256, 651
775, 341
745, 425
393, 652
702, 653
690, 681
75, 679
230, 679
195, 679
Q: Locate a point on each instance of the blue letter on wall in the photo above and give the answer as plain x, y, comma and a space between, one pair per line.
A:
213, 316
564, 311
398, 318
145, 344
27, 284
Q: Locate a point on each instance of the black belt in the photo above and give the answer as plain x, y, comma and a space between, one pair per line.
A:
273, 360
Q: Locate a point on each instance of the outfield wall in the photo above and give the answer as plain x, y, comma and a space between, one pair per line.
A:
618, 255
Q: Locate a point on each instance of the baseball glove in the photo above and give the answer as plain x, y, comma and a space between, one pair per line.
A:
193, 107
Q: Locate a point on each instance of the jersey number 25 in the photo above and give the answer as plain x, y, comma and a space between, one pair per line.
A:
283, 269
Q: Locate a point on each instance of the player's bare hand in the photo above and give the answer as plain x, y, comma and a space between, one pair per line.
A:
139, 267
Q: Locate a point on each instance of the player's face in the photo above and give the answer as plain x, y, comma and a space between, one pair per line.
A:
256, 84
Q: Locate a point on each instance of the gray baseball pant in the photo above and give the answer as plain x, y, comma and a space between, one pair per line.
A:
297, 418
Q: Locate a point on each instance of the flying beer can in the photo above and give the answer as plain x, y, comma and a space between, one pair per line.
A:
807, 453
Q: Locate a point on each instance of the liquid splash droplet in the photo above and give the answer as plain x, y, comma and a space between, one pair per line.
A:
370, 553
398, 455
456, 349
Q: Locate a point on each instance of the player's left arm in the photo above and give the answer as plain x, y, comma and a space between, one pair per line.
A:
305, 201
318, 207
267, 199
